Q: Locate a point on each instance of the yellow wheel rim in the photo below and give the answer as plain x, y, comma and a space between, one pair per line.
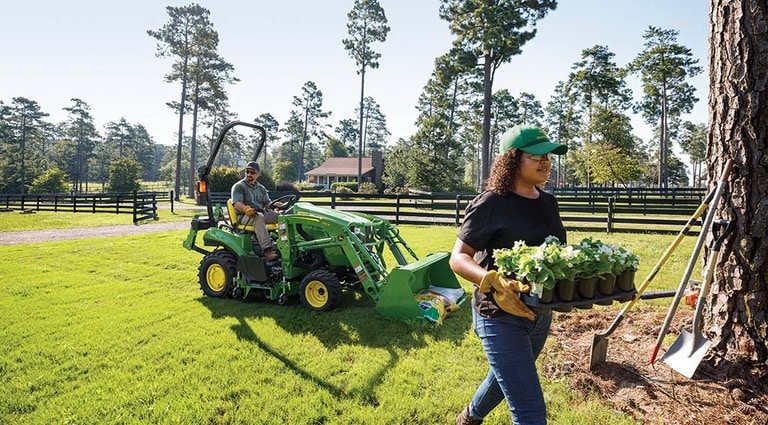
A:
216, 277
316, 294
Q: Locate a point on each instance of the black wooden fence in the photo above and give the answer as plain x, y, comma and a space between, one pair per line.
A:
584, 209
142, 205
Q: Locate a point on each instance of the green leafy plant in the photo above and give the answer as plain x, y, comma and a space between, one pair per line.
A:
624, 259
598, 258
542, 266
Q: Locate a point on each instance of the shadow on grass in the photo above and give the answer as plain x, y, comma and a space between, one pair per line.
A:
355, 322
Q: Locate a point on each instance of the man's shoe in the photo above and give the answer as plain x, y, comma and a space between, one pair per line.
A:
465, 419
270, 254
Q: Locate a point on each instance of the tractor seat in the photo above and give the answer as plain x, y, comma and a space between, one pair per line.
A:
244, 227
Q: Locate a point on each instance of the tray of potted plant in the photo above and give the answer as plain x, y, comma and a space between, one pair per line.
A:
566, 276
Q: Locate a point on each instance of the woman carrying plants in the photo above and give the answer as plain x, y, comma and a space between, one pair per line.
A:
513, 208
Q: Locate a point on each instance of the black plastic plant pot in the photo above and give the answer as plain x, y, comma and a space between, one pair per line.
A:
626, 280
606, 284
546, 296
585, 287
565, 290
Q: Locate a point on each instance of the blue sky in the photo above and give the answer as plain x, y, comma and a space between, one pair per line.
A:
99, 51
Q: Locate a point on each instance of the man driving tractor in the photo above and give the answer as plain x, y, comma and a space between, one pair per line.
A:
250, 199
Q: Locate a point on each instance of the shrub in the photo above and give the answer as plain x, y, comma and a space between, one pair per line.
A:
267, 180
221, 179
304, 186
124, 174
351, 186
284, 186
52, 181
367, 187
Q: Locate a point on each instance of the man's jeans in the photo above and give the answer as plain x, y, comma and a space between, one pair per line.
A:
511, 345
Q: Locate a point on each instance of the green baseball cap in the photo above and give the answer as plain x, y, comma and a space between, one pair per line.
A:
530, 139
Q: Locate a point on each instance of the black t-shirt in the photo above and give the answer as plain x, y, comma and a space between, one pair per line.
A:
492, 221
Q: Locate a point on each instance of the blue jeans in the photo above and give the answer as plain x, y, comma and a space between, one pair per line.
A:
511, 345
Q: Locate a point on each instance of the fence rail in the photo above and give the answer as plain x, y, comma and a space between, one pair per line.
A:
588, 209
142, 205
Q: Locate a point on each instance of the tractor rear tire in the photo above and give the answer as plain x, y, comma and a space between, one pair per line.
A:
320, 290
216, 273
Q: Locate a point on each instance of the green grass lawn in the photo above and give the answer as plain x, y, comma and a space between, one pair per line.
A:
115, 330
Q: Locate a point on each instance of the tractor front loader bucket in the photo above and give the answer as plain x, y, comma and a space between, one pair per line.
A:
424, 289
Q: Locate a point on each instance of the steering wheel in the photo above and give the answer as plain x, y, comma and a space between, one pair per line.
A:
287, 200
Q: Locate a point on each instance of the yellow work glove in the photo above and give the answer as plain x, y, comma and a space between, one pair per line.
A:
249, 211
505, 293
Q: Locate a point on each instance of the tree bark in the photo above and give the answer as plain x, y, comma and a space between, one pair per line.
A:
738, 117
485, 154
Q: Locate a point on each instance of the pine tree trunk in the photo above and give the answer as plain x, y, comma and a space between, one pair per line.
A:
737, 319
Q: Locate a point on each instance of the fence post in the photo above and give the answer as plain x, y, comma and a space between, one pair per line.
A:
458, 201
134, 207
170, 196
397, 209
610, 213
333, 200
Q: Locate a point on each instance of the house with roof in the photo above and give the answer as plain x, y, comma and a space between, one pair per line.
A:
345, 170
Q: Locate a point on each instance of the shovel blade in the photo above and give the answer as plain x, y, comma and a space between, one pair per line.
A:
599, 350
686, 353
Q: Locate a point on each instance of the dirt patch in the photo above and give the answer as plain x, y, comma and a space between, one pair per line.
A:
31, 236
720, 392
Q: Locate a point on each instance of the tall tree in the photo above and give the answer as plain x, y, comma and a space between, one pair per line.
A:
563, 120
209, 73
737, 314
272, 128
81, 136
125, 140
288, 151
367, 25
179, 38
664, 66
310, 106
493, 31
26, 126
599, 90
693, 141
347, 133
530, 110
375, 132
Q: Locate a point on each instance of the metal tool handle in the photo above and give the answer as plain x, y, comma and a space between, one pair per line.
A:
705, 226
721, 229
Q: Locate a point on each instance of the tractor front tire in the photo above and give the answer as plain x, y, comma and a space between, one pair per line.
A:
216, 273
320, 290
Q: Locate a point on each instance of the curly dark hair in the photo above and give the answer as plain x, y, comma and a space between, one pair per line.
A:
504, 172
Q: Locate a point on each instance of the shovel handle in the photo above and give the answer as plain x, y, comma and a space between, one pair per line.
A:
726, 226
705, 226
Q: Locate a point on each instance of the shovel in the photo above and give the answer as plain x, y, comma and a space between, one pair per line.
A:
600, 339
689, 348
705, 226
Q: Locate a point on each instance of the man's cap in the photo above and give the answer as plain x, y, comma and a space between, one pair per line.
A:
252, 164
530, 139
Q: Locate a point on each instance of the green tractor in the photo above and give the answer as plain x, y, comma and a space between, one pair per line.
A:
322, 253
